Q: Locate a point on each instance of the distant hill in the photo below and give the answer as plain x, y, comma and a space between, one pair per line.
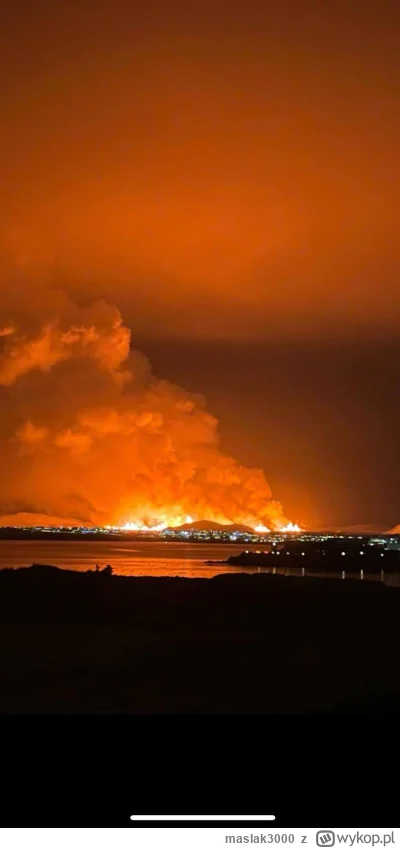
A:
213, 525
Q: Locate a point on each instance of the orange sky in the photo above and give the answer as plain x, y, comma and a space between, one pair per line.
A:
222, 174
218, 174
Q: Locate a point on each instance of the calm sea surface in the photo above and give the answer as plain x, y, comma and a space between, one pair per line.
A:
136, 559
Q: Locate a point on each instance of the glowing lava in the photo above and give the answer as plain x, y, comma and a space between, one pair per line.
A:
141, 527
159, 526
290, 528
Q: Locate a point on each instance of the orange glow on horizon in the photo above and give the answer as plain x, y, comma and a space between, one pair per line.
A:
287, 528
140, 526
291, 528
157, 527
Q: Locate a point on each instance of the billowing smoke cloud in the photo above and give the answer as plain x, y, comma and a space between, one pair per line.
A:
88, 432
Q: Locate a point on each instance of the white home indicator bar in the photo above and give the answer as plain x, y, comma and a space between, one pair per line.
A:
203, 818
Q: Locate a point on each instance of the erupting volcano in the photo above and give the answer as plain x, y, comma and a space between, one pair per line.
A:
90, 434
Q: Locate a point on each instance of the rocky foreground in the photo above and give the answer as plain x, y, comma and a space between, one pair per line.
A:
86, 642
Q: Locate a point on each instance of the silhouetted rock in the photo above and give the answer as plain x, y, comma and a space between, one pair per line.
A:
235, 643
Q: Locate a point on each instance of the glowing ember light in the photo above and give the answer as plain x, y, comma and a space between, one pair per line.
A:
163, 521
138, 527
155, 527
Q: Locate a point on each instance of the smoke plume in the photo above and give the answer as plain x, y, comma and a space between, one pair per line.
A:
89, 434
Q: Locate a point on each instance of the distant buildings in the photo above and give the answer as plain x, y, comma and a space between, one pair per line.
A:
294, 542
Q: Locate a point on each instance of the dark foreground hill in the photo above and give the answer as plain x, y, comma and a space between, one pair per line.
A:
73, 642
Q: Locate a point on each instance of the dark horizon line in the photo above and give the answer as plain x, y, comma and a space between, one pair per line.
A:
347, 531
